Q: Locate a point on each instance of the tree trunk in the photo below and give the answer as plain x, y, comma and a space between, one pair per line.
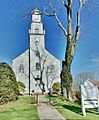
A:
66, 71
71, 39
68, 83
69, 54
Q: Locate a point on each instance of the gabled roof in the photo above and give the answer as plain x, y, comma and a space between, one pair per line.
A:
95, 82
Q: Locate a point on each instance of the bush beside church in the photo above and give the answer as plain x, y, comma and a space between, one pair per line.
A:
9, 90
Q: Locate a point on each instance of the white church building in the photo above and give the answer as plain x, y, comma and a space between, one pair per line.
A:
36, 67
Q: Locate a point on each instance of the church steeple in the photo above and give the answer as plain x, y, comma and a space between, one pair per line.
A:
36, 16
36, 31
33, 63
36, 11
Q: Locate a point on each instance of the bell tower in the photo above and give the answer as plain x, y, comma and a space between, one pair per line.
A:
36, 31
36, 16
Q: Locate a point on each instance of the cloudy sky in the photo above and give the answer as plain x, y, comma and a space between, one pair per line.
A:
15, 22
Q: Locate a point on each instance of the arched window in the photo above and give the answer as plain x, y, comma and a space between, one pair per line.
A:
21, 68
36, 30
37, 66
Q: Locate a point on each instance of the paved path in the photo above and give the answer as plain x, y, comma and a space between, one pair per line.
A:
47, 112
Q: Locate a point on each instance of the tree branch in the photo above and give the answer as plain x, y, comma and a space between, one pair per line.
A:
69, 19
58, 21
60, 25
56, 18
49, 15
64, 3
77, 31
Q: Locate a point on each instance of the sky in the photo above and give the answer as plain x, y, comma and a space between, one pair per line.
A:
15, 22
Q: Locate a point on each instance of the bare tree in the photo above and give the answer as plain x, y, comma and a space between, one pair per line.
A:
42, 58
81, 77
50, 76
71, 35
43, 67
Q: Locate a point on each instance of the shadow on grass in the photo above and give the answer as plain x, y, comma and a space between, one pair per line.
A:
78, 109
73, 108
93, 111
53, 96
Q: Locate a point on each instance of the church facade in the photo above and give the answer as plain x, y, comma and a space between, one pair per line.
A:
36, 67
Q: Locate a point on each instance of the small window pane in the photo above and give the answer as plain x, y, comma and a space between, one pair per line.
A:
52, 68
21, 68
36, 30
36, 40
37, 76
37, 66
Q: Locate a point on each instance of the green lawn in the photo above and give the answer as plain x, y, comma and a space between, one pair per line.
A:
72, 111
23, 109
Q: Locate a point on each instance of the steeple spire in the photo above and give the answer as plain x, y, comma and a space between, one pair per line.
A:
36, 11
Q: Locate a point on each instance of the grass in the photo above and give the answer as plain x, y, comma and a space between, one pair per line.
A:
23, 109
72, 110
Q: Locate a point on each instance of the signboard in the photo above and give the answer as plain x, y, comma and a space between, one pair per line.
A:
89, 96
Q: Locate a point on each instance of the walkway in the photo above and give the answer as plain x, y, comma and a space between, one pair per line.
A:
47, 112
